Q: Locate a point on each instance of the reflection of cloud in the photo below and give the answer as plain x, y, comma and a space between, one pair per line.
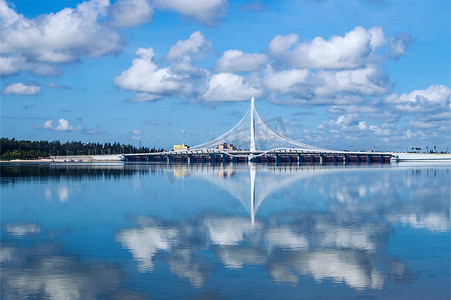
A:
183, 263
337, 235
151, 237
237, 256
42, 273
21, 230
345, 243
48, 194
228, 231
431, 221
144, 243
63, 193
341, 266
323, 247
284, 237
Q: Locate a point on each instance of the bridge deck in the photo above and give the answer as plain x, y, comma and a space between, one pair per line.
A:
275, 155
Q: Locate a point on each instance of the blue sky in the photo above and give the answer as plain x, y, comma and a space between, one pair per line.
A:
355, 74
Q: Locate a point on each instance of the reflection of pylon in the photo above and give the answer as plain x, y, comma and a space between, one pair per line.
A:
252, 172
251, 133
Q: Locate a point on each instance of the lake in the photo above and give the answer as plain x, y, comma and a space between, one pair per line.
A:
149, 231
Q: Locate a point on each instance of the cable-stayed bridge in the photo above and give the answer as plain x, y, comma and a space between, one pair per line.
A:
252, 140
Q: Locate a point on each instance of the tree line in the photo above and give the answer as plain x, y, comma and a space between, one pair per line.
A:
24, 149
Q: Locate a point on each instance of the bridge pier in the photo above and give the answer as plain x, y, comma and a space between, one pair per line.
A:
300, 159
369, 159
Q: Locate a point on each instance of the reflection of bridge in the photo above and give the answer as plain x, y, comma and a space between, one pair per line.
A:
253, 140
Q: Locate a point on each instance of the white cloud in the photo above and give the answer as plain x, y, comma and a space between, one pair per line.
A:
137, 132
19, 88
364, 81
288, 81
143, 97
180, 79
185, 52
237, 61
195, 44
204, 12
435, 97
325, 86
63, 125
345, 123
354, 50
129, 13
398, 45
230, 87
40, 45
45, 38
13, 64
145, 76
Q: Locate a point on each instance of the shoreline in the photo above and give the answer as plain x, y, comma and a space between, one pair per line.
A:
397, 157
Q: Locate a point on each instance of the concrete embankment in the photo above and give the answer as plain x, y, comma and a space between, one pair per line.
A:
445, 157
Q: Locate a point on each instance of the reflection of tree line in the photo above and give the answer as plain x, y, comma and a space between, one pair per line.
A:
317, 245
52, 172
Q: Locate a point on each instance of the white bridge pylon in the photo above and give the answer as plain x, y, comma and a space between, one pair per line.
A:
253, 134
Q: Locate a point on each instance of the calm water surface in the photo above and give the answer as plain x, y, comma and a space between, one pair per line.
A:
127, 231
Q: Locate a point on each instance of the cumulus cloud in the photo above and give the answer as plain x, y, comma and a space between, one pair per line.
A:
398, 45
364, 81
231, 87
180, 79
236, 61
44, 40
351, 51
42, 44
205, 12
433, 98
19, 88
129, 13
344, 123
343, 71
287, 81
185, 52
145, 76
63, 125
195, 44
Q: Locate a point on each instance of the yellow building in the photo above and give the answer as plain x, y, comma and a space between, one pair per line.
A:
181, 147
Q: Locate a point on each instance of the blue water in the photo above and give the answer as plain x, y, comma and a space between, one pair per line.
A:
139, 231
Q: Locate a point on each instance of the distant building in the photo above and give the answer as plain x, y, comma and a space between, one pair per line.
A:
225, 146
181, 147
